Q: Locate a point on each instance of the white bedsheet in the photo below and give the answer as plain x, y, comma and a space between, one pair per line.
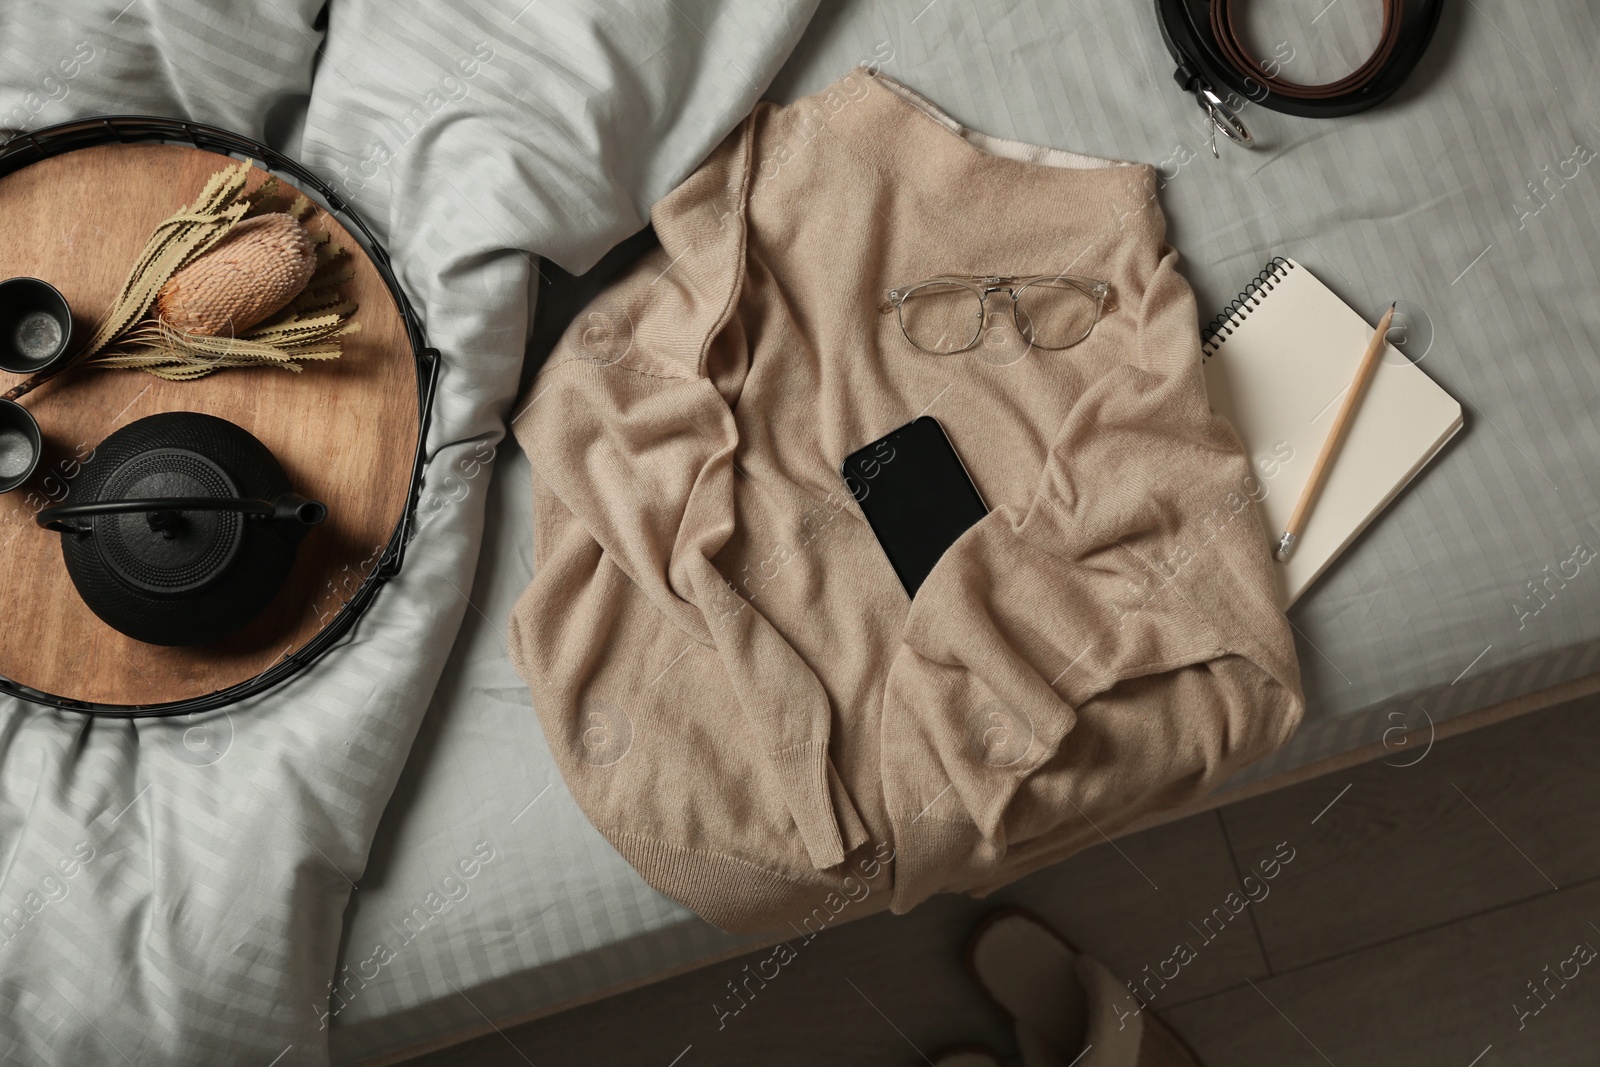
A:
177, 890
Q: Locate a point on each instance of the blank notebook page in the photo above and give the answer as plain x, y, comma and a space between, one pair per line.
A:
1278, 371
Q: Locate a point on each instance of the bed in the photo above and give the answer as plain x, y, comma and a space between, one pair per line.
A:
1471, 598
1435, 620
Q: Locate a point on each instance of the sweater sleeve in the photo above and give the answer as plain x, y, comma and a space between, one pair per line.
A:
1136, 583
642, 458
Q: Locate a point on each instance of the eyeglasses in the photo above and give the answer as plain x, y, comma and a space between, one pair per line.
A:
944, 315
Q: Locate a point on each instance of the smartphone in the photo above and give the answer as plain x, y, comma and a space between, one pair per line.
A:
916, 495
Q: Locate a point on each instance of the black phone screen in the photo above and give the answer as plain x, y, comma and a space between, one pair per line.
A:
915, 494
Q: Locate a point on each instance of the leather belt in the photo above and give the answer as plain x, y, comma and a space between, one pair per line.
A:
1215, 64
1227, 37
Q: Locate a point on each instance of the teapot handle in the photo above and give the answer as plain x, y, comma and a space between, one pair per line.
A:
287, 507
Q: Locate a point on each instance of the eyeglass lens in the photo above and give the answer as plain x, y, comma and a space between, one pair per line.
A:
1055, 314
942, 317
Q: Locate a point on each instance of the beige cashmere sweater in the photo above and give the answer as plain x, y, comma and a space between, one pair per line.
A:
737, 689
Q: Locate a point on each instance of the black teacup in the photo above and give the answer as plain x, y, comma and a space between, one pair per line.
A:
35, 326
20, 445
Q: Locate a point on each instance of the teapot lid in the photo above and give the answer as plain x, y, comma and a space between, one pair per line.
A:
166, 552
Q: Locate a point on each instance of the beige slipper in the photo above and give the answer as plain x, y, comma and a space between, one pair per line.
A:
1069, 1011
967, 1056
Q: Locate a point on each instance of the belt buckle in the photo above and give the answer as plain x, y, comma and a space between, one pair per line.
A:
1221, 118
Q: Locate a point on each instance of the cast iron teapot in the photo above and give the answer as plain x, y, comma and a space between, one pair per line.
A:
181, 528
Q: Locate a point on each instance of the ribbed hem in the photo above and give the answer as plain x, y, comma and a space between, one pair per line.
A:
730, 893
927, 849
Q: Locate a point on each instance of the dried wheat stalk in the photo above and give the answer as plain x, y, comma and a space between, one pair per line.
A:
200, 285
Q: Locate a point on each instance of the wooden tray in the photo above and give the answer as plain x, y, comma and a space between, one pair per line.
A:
345, 431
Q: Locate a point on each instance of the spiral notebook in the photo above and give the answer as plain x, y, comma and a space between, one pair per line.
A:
1277, 364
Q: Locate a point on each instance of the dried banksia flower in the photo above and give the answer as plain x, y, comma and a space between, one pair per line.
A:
257, 269
232, 284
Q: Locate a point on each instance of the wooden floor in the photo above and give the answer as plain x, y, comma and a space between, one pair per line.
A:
1424, 901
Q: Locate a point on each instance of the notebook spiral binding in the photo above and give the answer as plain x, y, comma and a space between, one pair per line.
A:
1228, 319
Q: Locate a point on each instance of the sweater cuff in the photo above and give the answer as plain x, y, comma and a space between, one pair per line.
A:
822, 810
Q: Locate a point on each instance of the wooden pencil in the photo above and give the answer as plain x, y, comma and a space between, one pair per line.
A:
1330, 445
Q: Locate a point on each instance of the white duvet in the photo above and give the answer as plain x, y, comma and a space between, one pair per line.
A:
172, 892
